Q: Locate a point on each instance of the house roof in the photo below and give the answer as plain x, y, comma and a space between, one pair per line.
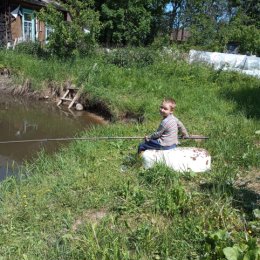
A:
43, 3
37, 2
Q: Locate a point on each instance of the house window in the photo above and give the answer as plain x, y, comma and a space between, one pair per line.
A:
28, 24
48, 31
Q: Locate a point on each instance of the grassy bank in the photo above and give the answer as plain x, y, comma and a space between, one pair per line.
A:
93, 200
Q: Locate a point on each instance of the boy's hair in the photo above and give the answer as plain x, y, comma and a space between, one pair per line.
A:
171, 102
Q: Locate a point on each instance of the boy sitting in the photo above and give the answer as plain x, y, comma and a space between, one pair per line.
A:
166, 136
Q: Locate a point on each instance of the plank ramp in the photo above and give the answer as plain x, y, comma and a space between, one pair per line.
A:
71, 95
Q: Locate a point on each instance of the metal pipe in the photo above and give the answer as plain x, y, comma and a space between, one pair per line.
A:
97, 138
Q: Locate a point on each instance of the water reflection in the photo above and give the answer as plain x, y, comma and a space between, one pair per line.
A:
27, 120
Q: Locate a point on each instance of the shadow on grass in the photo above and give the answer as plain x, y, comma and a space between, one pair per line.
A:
246, 199
243, 197
247, 100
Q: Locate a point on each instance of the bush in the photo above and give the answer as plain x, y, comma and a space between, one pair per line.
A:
68, 39
31, 48
129, 57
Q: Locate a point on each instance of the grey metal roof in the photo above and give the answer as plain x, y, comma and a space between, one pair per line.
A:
44, 3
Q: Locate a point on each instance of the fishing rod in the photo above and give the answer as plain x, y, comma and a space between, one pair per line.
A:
97, 138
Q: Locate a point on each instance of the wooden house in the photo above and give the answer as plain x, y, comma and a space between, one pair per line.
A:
179, 35
19, 23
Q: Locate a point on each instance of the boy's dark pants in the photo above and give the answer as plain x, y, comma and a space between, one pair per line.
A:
153, 145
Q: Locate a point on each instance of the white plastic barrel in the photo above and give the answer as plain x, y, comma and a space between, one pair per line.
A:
182, 159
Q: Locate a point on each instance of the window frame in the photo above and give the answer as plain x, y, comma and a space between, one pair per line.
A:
33, 34
48, 31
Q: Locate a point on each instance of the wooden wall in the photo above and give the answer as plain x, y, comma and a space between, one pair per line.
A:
11, 28
16, 28
41, 32
5, 22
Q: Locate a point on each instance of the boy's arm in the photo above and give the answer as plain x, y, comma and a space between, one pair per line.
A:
158, 133
183, 129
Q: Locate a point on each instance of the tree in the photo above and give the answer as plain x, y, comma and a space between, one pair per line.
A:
249, 8
245, 33
124, 22
175, 14
213, 24
159, 22
205, 20
77, 36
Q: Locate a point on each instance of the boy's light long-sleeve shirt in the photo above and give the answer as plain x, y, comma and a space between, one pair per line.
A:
167, 133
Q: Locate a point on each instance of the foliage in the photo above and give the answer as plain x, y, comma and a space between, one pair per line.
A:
132, 57
175, 13
220, 245
159, 26
69, 37
125, 22
248, 251
31, 48
205, 20
246, 35
213, 24
210, 24
249, 8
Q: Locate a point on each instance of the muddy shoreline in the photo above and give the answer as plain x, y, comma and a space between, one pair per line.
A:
52, 92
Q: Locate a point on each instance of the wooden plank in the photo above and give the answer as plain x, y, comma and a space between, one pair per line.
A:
59, 102
74, 99
66, 93
66, 99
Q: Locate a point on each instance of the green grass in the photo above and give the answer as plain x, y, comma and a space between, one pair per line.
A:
93, 200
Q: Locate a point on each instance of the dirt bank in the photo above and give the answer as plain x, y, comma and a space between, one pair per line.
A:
52, 92
7, 86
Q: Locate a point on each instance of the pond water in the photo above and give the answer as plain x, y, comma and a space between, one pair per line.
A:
22, 119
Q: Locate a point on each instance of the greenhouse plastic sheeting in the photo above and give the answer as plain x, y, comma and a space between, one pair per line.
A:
249, 65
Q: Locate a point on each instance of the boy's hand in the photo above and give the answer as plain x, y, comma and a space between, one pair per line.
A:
146, 138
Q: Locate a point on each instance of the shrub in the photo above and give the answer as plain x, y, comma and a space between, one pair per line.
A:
129, 57
31, 48
69, 39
